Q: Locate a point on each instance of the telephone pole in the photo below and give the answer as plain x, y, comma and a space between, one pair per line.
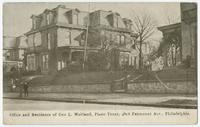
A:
86, 39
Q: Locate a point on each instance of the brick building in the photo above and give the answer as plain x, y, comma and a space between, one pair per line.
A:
58, 37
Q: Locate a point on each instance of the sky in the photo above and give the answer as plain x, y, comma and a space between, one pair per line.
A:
17, 21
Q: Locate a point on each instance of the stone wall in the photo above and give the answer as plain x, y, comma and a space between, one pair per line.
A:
175, 87
172, 87
84, 88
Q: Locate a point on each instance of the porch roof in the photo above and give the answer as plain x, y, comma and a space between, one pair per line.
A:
80, 47
170, 27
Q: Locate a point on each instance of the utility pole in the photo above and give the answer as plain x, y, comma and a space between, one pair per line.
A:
86, 39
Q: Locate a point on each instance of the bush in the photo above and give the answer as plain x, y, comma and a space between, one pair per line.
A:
96, 61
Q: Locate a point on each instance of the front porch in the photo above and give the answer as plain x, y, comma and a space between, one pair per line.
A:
72, 55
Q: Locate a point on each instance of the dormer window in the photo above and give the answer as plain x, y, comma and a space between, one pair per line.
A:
114, 19
115, 24
34, 23
122, 40
128, 23
48, 19
75, 19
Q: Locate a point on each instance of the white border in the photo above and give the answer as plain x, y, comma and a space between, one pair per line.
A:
1, 44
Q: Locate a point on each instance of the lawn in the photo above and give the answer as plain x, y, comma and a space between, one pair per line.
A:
80, 78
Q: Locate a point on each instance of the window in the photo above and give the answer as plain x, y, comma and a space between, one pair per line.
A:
45, 59
123, 59
43, 62
118, 39
34, 23
59, 65
21, 54
48, 18
47, 63
28, 62
115, 21
31, 62
30, 40
37, 39
49, 41
75, 19
122, 39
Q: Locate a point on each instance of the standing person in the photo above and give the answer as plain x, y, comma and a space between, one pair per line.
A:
26, 89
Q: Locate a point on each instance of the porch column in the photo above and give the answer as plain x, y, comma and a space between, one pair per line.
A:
70, 55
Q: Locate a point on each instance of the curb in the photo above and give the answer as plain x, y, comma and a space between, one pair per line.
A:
71, 100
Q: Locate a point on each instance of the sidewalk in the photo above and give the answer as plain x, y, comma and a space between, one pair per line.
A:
154, 100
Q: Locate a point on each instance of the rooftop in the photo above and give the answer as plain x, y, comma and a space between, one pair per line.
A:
171, 26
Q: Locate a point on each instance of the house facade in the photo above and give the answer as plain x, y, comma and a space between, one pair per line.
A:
13, 52
58, 37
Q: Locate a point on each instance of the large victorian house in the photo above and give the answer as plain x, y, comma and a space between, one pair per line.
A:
58, 37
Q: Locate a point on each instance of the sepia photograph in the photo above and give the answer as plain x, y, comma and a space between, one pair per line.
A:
99, 63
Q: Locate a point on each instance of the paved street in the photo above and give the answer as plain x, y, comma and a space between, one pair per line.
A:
12, 104
109, 97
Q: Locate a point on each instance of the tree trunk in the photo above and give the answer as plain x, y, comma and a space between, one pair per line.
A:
172, 56
140, 54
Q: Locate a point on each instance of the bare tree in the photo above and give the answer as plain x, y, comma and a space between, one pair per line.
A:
144, 26
171, 18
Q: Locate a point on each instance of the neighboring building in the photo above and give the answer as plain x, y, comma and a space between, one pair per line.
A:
171, 45
58, 36
189, 31
13, 52
180, 39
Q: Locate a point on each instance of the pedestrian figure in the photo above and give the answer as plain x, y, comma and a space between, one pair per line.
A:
26, 89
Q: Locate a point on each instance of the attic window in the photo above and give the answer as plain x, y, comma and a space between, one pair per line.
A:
122, 41
75, 19
115, 24
34, 23
48, 18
